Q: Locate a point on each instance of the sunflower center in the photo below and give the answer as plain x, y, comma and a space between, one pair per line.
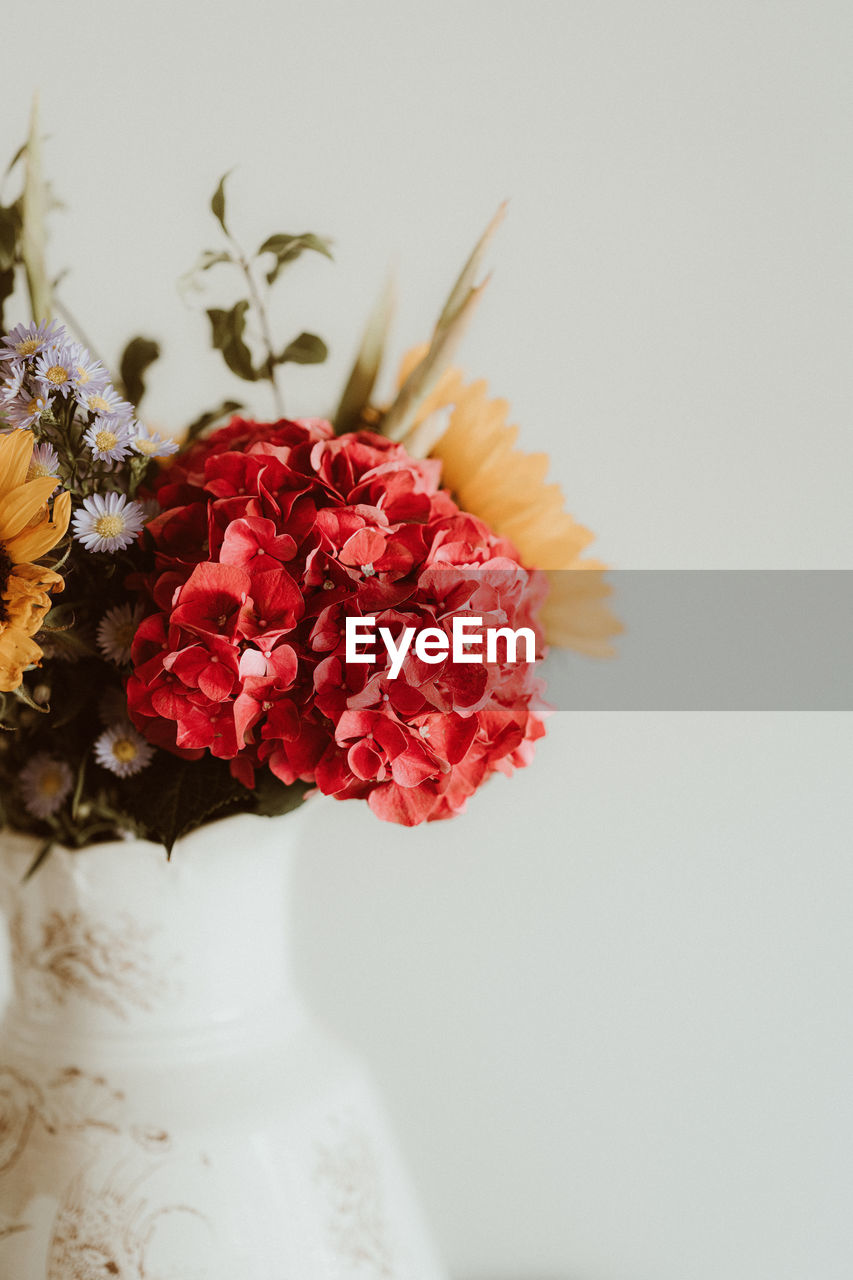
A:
57, 375
109, 526
82, 376
145, 446
124, 750
99, 404
106, 440
28, 347
6, 567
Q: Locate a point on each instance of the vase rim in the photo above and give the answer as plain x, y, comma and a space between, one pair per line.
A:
20, 842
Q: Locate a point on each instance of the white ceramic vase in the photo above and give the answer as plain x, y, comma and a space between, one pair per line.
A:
168, 1109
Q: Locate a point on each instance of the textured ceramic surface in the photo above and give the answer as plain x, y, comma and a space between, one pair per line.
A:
168, 1109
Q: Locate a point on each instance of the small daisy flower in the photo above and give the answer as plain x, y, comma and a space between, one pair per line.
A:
106, 402
89, 374
25, 342
109, 439
44, 462
107, 522
26, 410
151, 444
116, 631
55, 370
122, 750
45, 784
13, 385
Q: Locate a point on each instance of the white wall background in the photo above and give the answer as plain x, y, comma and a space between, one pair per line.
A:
610, 1009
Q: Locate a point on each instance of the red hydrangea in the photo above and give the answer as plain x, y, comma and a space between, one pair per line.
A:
270, 536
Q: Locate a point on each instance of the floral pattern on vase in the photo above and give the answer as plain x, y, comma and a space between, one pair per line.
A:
71, 1102
349, 1172
20, 1101
109, 966
169, 1109
107, 1229
8, 1227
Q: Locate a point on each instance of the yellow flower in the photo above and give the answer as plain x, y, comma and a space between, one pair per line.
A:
506, 488
27, 532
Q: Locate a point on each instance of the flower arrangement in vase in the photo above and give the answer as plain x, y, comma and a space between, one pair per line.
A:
176, 650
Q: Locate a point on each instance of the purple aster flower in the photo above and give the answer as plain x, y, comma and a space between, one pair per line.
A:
106, 403
117, 629
13, 386
90, 375
152, 444
45, 784
55, 370
25, 410
107, 522
25, 342
122, 750
44, 462
109, 439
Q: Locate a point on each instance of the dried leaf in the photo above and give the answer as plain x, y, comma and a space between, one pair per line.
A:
465, 284
368, 362
452, 323
424, 378
10, 230
33, 237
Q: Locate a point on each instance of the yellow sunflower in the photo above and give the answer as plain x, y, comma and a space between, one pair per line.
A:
506, 488
27, 532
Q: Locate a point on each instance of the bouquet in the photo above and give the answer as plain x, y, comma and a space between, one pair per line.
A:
353, 605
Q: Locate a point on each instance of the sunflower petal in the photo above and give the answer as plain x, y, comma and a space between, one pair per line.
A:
23, 504
16, 449
17, 651
506, 488
33, 543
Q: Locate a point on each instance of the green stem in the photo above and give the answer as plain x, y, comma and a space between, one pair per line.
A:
266, 335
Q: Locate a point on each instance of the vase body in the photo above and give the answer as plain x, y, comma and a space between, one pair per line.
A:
168, 1108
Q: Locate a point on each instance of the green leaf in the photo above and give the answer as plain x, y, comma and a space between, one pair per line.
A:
33, 239
217, 203
273, 797
39, 858
213, 415
227, 330
10, 230
365, 370
189, 281
288, 248
212, 258
306, 349
7, 288
172, 797
137, 358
